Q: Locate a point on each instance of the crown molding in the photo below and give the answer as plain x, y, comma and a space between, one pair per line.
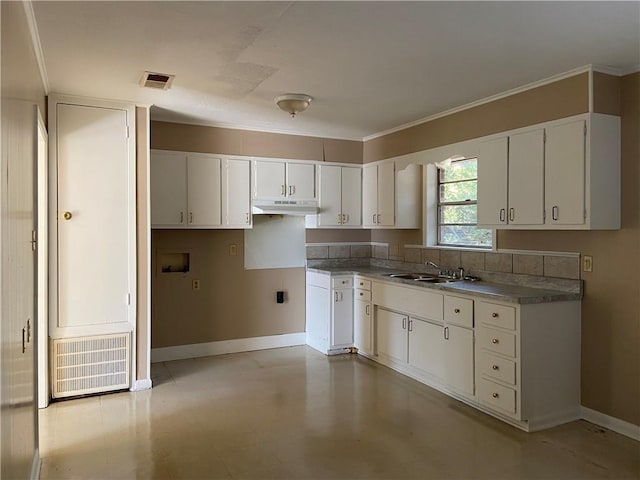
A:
35, 43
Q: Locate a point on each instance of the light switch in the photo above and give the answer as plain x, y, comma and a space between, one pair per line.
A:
233, 249
587, 263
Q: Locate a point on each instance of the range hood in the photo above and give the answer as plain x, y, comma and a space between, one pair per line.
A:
284, 207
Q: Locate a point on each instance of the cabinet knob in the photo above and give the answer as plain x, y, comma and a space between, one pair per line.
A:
495, 367
457, 310
495, 341
495, 395
494, 315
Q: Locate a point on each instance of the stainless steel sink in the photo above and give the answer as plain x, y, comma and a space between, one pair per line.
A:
436, 280
406, 276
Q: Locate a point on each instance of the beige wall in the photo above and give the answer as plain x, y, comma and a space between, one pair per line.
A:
610, 318
195, 138
548, 102
22, 91
232, 302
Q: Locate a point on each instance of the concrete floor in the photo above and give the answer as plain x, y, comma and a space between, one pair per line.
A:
293, 413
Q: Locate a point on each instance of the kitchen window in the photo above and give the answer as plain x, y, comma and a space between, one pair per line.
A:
458, 206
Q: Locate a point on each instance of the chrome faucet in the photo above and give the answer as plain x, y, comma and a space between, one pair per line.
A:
431, 264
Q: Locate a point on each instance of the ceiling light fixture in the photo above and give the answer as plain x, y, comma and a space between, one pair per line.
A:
293, 103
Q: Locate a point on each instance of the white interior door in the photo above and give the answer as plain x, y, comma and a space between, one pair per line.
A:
203, 190
526, 178
94, 219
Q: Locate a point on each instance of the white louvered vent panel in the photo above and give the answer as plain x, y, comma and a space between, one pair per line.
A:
90, 364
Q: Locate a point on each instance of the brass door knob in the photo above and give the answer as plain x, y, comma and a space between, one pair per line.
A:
67, 215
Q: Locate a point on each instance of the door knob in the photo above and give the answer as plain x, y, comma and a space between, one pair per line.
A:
67, 215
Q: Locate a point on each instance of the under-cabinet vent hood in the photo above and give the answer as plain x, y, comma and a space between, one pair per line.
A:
284, 207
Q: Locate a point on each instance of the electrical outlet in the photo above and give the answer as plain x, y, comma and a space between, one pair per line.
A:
233, 249
587, 263
195, 284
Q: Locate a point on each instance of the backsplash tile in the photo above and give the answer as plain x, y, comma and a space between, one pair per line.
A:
472, 261
360, 251
413, 255
498, 262
381, 252
449, 259
339, 251
317, 252
430, 255
528, 264
562, 267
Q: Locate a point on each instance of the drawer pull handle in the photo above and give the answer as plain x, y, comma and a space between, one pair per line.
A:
495, 341
495, 367
457, 310
495, 395
494, 315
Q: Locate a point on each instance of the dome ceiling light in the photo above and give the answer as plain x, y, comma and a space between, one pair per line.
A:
293, 103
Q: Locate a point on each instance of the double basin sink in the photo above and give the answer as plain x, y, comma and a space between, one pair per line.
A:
423, 277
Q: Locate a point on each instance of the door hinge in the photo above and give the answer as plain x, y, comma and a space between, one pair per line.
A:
127, 131
128, 299
585, 129
544, 136
34, 240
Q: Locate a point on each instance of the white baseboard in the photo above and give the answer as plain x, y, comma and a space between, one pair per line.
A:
142, 384
619, 426
181, 352
36, 465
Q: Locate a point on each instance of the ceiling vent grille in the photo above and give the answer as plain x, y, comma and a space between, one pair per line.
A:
90, 364
161, 81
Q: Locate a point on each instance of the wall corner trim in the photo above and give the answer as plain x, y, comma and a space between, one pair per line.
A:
182, 352
36, 465
141, 384
615, 424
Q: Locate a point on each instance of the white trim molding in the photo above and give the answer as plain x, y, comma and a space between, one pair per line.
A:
615, 424
36, 465
35, 42
141, 384
182, 352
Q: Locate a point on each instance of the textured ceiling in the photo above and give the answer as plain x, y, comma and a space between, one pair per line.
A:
370, 66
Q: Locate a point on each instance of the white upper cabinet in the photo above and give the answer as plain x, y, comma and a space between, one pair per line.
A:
203, 190
168, 189
236, 193
493, 158
339, 196
563, 174
378, 195
279, 179
526, 178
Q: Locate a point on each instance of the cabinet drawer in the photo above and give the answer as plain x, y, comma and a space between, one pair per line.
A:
458, 311
342, 282
501, 316
363, 295
496, 367
363, 284
496, 396
497, 341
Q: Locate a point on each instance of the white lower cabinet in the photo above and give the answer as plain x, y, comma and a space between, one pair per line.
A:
329, 312
363, 331
392, 335
426, 347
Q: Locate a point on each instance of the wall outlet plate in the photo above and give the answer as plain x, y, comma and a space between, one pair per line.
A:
587, 263
195, 284
233, 250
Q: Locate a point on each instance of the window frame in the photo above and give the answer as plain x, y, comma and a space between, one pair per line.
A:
439, 204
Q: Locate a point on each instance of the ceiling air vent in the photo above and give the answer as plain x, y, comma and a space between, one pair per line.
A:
156, 80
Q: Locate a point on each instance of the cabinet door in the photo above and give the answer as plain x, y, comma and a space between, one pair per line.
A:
236, 193
203, 192
330, 204
564, 174
493, 181
352, 196
301, 181
526, 178
426, 347
168, 189
362, 331
269, 180
458, 359
318, 314
392, 335
386, 194
369, 195
342, 325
